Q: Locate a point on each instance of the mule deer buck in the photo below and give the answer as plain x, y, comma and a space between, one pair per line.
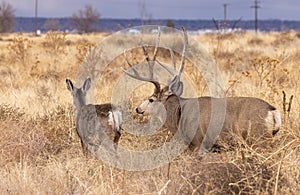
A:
94, 123
251, 118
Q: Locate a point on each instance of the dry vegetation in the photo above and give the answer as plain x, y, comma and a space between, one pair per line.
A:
40, 151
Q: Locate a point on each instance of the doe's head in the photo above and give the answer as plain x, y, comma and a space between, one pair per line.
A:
79, 94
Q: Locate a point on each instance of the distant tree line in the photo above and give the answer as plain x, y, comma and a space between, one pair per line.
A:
84, 20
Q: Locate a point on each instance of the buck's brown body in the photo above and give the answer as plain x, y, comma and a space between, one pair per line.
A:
251, 118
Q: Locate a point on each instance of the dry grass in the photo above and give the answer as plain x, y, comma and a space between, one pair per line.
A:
40, 151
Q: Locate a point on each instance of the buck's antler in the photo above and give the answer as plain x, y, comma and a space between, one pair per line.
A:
176, 86
150, 62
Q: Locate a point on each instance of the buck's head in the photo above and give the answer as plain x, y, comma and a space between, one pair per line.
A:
152, 105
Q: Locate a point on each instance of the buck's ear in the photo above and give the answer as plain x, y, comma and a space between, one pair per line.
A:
70, 86
176, 86
177, 89
86, 84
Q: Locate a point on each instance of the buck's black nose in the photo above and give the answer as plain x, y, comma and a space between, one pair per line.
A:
138, 111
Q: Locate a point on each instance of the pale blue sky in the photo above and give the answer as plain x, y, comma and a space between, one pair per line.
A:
163, 9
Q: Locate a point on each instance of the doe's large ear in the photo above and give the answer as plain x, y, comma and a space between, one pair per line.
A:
70, 86
86, 84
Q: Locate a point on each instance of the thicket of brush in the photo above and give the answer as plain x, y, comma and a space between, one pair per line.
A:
41, 153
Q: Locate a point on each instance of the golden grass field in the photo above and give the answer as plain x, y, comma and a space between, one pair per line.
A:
40, 152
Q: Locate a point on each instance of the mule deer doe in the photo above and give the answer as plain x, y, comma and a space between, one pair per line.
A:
94, 123
249, 117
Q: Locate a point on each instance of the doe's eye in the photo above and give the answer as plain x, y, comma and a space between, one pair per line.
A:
151, 100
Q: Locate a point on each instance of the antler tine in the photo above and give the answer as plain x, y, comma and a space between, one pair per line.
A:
136, 75
156, 44
185, 44
149, 61
173, 58
145, 49
168, 68
129, 63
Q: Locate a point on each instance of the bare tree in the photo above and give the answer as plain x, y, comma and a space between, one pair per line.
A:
52, 24
146, 17
7, 17
171, 26
86, 20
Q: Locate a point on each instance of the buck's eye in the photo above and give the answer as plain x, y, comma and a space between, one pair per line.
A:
151, 100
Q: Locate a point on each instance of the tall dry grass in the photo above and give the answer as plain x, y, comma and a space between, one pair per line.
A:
40, 151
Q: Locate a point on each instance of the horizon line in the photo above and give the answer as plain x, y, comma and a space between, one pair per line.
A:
108, 18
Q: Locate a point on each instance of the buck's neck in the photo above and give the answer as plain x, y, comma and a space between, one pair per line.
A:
172, 106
